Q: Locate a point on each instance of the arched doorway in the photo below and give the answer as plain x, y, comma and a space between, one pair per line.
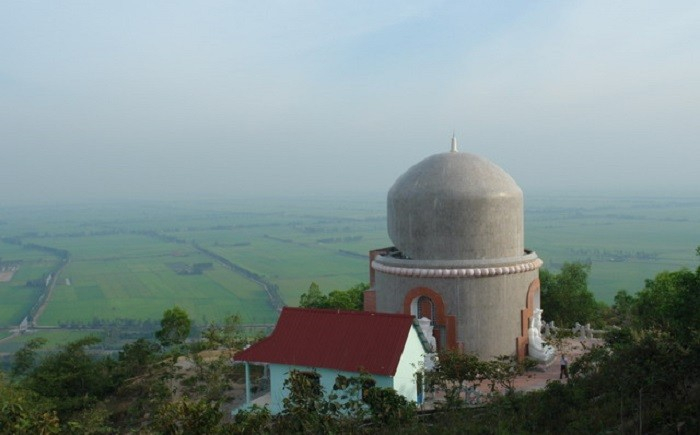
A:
424, 307
424, 302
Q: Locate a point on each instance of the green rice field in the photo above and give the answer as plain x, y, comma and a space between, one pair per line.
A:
625, 240
125, 260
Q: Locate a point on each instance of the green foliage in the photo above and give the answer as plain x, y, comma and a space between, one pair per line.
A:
353, 406
227, 334
644, 379
142, 390
253, 421
175, 327
670, 301
94, 420
210, 379
313, 298
187, 416
25, 357
305, 392
460, 374
306, 409
565, 297
649, 370
502, 371
640, 382
456, 367
622, 309
388, 408
350, 299
71, 378
137, 357
25, 412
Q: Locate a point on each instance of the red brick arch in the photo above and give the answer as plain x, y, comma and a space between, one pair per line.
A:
441, 318
525, 314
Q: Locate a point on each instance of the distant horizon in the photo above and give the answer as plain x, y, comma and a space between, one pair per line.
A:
353, 196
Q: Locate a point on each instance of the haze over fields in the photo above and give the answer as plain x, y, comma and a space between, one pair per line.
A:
163, 100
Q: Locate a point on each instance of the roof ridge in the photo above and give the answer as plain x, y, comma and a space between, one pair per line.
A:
351, 312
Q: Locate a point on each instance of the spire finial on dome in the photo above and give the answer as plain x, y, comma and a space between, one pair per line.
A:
454, 143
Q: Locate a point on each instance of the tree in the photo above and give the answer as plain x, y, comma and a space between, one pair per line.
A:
25, 357
459, 373
227, 334
622, 308
174, 327
25, 412
670, 302
565, 297
350, 299
72, 378
187, 416
388, 408
313, 298
135, 358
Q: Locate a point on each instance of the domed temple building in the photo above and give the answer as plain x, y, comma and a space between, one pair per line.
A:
456, 222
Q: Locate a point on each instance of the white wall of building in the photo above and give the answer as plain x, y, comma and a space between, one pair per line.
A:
410, 362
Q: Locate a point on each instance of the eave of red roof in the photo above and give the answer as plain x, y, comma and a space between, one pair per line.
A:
343, 340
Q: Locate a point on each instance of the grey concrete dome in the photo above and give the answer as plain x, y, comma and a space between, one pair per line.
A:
456, 206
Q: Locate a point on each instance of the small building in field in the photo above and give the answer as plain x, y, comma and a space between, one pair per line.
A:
390, 348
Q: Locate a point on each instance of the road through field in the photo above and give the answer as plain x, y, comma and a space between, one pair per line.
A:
47, 295
274, 298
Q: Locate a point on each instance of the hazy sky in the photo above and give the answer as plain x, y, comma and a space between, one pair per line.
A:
186, 99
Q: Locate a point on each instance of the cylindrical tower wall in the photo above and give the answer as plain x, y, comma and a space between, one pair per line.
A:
487, 309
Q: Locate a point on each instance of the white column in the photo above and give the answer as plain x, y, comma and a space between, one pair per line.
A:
247, 383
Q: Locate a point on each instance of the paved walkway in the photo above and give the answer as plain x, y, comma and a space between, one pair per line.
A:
537, 379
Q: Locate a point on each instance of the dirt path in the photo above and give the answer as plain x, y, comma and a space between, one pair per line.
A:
538, 379
273, 296
49, 293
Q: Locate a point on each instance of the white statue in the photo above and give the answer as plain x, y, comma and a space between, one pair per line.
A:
581, 330
427, 330
536, 347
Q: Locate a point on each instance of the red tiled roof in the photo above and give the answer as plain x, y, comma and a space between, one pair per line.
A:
343, 340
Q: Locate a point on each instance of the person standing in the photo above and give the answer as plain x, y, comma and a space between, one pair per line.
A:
564, 367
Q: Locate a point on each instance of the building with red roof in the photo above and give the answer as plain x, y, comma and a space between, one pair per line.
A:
327, 343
